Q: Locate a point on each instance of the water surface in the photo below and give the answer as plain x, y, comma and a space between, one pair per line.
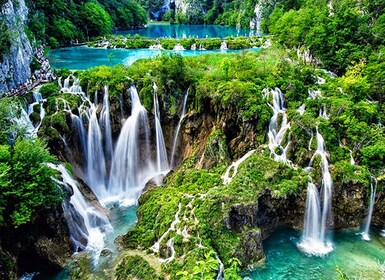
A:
357, 258
82, 57
186, 31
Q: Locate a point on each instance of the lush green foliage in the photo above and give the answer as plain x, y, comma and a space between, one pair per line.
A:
25, 180
226, 90
61, 22
135, 267
339, 34
136, 42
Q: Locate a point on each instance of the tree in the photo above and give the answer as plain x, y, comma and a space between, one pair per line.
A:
66, 30
96, 21
32, 188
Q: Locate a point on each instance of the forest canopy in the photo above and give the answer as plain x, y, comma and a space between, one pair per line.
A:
60, 22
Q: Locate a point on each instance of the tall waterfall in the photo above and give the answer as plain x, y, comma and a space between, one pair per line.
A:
105, 124
373, 186
130, 166
115, 173
96, 164
88, 226
314, 240
161, 154
175, 141
277, 130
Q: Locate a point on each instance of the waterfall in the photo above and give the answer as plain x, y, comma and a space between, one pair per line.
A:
277, 131
88, 226
38, 98
131, 147
121, 107
352, 161
105, 124
234, 166
79, 131
175, 141
365, 233
23, 121
223, 46
301, 109
314, 240
96, 165
161, 154
312, 216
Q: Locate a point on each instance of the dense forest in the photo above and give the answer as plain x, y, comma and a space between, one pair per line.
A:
62, 22
233, 13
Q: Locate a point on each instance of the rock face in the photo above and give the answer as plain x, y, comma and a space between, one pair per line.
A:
15, 66
44, 244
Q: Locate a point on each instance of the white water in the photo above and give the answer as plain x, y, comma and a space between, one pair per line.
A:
301, 109
277, 131
352, 161
314, 240
234, 166
93, 225
176, 134
221, 268
96, 164
323, 114
155, 247
130, 160
132, 154
223, 46
373, 186
161, 154
105, 125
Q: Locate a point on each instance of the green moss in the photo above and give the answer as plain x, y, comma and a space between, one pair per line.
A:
135, 267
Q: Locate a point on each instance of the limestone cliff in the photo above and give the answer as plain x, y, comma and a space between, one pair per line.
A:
15, 65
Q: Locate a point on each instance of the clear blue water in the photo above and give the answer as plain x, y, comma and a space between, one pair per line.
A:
357, 258
185, 31
82, 57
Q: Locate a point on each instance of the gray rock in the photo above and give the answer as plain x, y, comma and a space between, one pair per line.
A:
15, 67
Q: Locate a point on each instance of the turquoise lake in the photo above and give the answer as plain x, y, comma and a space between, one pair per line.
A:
186, 31
357, 258
82, 57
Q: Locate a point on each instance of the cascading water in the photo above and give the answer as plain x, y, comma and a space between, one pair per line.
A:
131, 155
96, 164
314, 240
175, 141
88, 226
105, 125
161, 154
373, 186
277, 131
227, 177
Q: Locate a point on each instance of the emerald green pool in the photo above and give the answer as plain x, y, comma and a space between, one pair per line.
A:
357, 258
